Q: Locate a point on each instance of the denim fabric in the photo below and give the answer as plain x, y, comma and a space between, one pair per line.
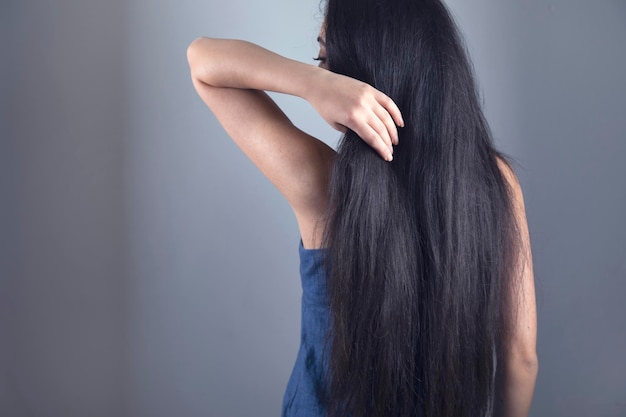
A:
303, 397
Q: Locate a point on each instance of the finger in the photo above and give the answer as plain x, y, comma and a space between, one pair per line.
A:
387, 120
373, 139
391, 108
341, 128
381, 129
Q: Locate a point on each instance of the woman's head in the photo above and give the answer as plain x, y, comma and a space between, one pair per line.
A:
409, 49
420, 249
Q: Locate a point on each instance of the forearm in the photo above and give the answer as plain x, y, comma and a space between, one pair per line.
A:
515, 384
241, 64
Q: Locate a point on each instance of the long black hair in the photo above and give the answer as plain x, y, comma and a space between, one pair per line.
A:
422, 251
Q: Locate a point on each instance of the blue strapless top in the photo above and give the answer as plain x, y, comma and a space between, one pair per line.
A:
306, 386
303, 397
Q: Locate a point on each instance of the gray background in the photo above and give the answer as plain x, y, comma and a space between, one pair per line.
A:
148, 269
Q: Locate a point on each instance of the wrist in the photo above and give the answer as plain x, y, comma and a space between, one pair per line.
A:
311, 81
304, 80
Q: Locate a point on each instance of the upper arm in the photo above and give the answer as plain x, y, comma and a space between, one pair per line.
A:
295, 162
522, 342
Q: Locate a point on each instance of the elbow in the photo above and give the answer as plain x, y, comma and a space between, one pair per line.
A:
193, 48
530, 365
196, 58
522, 356
527, 363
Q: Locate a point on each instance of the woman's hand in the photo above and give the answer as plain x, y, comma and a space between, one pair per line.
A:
347, 103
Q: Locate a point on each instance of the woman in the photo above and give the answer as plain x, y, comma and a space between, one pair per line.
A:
425, 302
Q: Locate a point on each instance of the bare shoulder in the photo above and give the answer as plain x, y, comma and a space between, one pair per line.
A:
517, 197
516, 190
509, 174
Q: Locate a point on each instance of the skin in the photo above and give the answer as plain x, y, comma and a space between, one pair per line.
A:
299, 164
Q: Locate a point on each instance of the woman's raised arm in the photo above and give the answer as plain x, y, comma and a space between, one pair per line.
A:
342, 101
231, 76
